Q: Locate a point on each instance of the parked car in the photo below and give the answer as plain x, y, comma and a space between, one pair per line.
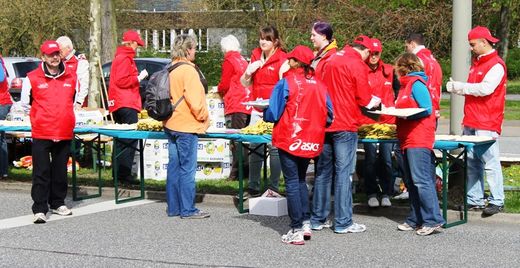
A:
151, 65
17, 68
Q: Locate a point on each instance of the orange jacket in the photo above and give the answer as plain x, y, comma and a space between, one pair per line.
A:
191, 115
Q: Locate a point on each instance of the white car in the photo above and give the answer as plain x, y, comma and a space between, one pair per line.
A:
17, 69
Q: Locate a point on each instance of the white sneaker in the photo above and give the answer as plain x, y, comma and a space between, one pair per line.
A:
373, 202
63, 211
307, 231
354, 228
294, 236
385, 202
320, 226
403, 195
40, 218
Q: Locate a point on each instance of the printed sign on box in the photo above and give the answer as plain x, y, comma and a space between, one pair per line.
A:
155, 147
213, 150
88, 117
211, 170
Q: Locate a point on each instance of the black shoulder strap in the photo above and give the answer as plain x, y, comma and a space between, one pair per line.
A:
171, 68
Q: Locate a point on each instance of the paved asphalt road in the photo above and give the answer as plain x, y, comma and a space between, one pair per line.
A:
142, 236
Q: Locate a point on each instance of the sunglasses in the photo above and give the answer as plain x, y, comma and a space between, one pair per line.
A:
375, 54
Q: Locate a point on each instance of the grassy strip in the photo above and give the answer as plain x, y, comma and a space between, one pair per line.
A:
513, 87
512, 110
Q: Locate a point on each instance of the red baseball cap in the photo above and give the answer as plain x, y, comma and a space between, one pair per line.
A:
302, 54
482, 32
50, 46
364, 40
376, 45
132, 35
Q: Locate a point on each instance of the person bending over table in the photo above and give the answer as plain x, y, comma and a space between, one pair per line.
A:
300, 109
416, 135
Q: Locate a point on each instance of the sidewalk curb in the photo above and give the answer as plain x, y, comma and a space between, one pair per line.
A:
358, 208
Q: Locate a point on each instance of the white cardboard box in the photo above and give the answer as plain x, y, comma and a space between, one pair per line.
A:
209, 150
212, 170
268, 206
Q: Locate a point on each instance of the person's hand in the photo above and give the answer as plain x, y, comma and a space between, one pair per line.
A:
77, 106
142, 75
455, 87
374, 102
253, 66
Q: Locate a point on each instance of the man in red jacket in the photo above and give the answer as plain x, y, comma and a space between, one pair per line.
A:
485, 96
124, 100
79, 65
52, 88
346, 77
415, 44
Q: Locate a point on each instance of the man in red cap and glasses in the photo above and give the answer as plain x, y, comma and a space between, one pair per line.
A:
484, 103
346, 78
52, 89
124, 99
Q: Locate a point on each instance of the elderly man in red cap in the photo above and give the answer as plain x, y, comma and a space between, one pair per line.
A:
124, 100
52, 88
484, 92
346, 78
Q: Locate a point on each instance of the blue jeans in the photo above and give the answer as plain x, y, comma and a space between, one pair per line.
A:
420, 174
379, 166
488, 162
180, 178
4, 160
294, 169
337, 159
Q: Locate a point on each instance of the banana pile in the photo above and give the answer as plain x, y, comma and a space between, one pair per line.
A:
260, 127
143, 114
149, 124
377, 131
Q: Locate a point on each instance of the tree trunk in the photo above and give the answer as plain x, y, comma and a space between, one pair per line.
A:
109, 34
95, 36
503, 31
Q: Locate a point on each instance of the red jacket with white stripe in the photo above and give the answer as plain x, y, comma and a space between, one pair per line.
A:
433, 70
234, 93
52, 112
346, 78
486, 112
123, 90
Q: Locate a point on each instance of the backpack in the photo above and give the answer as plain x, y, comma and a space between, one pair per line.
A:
157, 95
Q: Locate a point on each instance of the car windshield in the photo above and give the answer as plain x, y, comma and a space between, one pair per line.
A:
22, 68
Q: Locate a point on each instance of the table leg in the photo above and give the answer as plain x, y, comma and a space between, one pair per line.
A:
75, 196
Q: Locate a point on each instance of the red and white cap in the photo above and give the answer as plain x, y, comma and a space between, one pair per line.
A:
376, 45
482, 32
50, 46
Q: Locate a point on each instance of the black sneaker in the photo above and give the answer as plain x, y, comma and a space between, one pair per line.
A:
492, 209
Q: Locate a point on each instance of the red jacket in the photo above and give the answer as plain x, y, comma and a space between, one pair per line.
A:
123, 90
266, 77
381, 80
234, 93
301, 128
5, 97
413, 133
346, 77
433, 70
485, 112
52, 112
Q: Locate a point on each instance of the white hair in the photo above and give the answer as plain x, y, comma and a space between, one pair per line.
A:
229, 43
64, 41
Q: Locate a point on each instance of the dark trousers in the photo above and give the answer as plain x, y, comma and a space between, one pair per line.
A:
49, 178
124, 148
237, 121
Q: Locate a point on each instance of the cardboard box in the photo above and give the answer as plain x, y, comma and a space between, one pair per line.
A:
212, 170
268, 206
155, 148
88, 117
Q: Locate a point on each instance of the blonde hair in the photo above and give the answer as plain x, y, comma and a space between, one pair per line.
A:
229, 43
407, 63
181, 44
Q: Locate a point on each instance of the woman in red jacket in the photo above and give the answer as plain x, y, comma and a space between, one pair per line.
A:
324, 43
262, 74
234, 93
300, 109
124, 100
416, 136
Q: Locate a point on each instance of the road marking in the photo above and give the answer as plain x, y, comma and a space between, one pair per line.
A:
76, 212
